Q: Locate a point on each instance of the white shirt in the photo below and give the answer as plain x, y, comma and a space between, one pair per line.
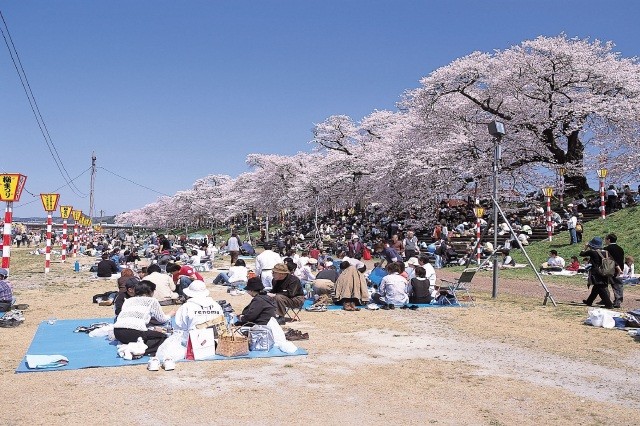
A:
393, 288
138, 311
238, 273
165, 287
266, 261
556, 261
571, 222
431, 273
195, 311
232, 244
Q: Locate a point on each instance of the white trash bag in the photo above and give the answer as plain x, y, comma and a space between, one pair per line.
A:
172, 347
279, 339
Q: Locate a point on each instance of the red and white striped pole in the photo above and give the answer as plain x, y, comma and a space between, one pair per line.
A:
50, 204
75, 239
479, 212
602, 173
6, 236
63, 256
47, 256
548, 192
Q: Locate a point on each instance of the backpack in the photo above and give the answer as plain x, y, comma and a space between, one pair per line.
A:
608, 267
578, 227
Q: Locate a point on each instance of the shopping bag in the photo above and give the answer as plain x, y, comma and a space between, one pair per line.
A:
201, 344
260, 338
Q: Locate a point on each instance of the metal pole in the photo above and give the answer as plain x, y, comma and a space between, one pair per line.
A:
533, 267
6, 236
603, 212
549, 224
47, 256
479, 248
63, 256
496, 160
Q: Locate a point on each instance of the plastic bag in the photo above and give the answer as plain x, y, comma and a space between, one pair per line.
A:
601, 318
280, 340
172, 347
104, 331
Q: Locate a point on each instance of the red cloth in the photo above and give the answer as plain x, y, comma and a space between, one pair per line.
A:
188, 271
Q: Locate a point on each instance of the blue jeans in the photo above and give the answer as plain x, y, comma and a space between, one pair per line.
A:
222, 278
574, 237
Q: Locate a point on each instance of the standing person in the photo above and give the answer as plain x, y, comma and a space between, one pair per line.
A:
233, 247
397, 244
411, 245
355, 248
579, 228
617, 254
572, 221
600, 283
265, 262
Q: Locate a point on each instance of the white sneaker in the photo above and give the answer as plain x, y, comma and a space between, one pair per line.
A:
169, 364
233, 292
154, 364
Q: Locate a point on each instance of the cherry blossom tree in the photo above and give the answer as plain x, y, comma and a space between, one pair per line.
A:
561, 99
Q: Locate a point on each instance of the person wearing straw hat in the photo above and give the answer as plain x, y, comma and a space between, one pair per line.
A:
287, 290
198, 309
600, 284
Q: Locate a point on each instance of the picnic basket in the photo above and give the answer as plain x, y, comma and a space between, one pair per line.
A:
232, 343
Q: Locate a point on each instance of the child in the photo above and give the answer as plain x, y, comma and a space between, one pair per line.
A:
419, 287
629, 271
574, 265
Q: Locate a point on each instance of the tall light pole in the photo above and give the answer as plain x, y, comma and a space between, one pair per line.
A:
548, 192
479, 212
602, 174
496, 129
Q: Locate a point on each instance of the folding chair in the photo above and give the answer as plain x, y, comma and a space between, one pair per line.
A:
292, 314
461, 285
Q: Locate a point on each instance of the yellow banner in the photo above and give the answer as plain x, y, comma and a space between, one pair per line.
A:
77, 215
12, 185
50, 201
65, 211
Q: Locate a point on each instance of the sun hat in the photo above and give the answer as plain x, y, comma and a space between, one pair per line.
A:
280, 268
197, 288
328, 263
312, 261
254, 284
413, 261
596, 243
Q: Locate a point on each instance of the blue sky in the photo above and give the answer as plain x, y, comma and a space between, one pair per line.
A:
166, 92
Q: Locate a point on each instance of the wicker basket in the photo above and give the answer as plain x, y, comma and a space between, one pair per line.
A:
232, 344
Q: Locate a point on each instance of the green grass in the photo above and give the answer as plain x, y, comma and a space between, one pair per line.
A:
624, 223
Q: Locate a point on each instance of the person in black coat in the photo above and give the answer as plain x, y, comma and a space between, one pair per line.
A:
107, 267
261, 308
600, 283
617, 254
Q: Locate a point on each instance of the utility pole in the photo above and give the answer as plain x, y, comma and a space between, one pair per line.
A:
93, 182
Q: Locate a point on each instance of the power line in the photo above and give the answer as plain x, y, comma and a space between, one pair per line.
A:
36, 199
135, 183
13, 53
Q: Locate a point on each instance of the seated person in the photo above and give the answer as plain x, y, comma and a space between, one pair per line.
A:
325, 280
304, 273
261, 308
419, 291
507, 260
6, 289
286, 290
236, 277
133, 256
628, 272
554, 264
196, 258
198, 309
351, 288
136, 314
183, 276
246, 249
124, 276
165, 291
128, 290
107, 267
574, 265
393, 288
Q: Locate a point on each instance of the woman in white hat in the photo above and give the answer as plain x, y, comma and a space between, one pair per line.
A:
198, 309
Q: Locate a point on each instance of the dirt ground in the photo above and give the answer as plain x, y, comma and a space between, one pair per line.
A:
505, 361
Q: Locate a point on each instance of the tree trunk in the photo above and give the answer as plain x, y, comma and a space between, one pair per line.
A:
574, 159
